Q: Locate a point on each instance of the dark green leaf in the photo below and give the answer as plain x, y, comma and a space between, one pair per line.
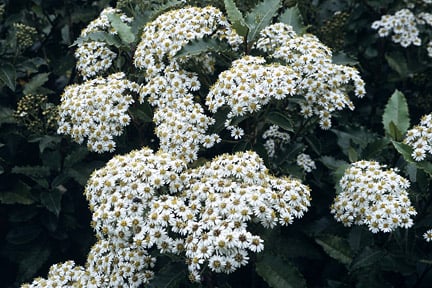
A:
170, 276
359, 237
406, 151
35, 82
32, 171
52, 200
99, 37
203, 45
23, 233
124, 31
278, 273
6, 116
352, 155
343, 59
398, 63
280, 120
292, 16
21, 194
33, 261
260, 17
236, 18
23, 213
142, 112
336, 247
367, 258
8, 75
396, 111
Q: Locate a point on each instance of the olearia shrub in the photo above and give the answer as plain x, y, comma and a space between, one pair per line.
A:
250, 158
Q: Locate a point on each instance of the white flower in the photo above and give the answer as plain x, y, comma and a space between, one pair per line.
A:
419, 138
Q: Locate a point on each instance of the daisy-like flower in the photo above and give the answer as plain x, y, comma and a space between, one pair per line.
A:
96, 57
97, 110
419, 138
374, 197
428, 235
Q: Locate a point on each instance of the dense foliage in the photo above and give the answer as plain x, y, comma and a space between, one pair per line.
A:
244, 144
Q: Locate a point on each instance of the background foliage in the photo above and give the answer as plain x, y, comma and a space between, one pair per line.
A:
44, 217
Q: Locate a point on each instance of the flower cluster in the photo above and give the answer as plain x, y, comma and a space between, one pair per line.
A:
305, 162
247, 86
208, 221
95, 57
323, 85
404, 25
107, 265
97, 110
274, 137
25, 35
119, 193
374, 197
181, 124
167, 34
419, 138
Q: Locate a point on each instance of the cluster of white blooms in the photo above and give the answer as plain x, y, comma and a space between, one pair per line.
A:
208, 221
108, 265
97, 110
305, 162
247, 86
273, 136
181, 124
95, 57
420, 138
119, 193
404, 25
429, 49
323, 85
374, 197
167, 34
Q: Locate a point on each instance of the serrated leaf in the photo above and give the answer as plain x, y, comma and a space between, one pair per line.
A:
52, 201
98, 37
35, 82
204, 45
260, 17
124, 31
278, 273
336, 247
280, 120
292, 17
396, 111
8, 75
236, 18
367, 258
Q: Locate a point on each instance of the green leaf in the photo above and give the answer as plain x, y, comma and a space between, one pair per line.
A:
292, 16
99, 37
341, 58
21, 194
52, 201
204, 45
8, 75
124, 31
24, 233
278, 273
398, 63
260, 17
33, 261
396, 111
32, 171
142, 112
336, 247
6, 116
367, 258
236, 18
280, 120
46, 141
35, 82
170, 276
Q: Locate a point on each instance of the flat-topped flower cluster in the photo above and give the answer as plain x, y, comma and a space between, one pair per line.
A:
419, 138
